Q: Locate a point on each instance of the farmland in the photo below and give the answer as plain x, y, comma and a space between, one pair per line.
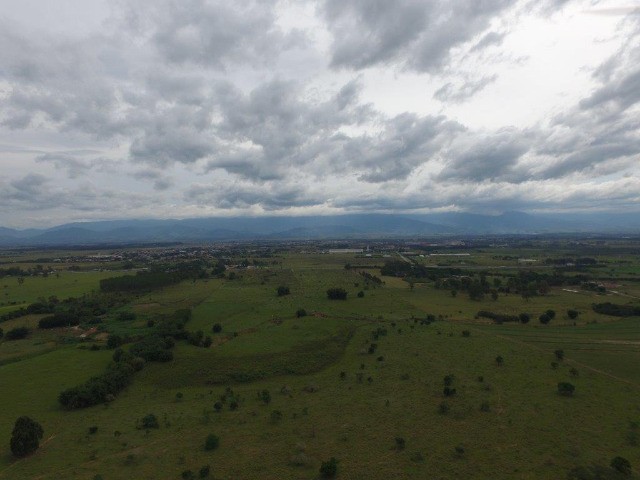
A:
363, 380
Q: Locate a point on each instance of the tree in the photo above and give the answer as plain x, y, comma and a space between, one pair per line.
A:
301, 312
217, 328
621, 465
551, 314
26, 436
524, 317
572, 314
283, 290
212, 441
114, 341
559, 354
329, 469
544, 319
150, 421
337, 293
17, 333
499, 360
566, 389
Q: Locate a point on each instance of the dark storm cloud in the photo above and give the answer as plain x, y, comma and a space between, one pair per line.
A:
269, 196
416, 34
488, 158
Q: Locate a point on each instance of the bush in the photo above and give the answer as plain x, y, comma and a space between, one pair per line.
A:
149, 421
572, 314
301, 312
360, 294
217, 328
329, 469
204, 471
559, 354
25, 438
337, 294
265, 397
622, 465
211, 442
524, 317
400, 443
443, 408
17, 333
282, 291
566, 389
544, 319
114, 341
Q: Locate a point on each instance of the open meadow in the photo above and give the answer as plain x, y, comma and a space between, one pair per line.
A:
427, 369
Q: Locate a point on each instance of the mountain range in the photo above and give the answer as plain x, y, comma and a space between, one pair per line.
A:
318, 227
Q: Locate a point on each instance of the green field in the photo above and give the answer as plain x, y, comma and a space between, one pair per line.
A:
333, 398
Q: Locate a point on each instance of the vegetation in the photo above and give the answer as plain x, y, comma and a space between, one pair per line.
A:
26, 436
292, 386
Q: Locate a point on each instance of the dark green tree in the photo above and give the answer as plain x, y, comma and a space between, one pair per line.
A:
211, 442
621, 465
25, 438
329, 469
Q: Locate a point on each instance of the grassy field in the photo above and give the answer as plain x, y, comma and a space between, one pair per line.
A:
329, 397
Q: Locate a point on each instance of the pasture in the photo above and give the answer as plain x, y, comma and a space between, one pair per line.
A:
359, 379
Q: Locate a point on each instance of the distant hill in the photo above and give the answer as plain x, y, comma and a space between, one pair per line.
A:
317, 227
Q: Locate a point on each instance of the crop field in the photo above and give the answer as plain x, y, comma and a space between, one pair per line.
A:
406, 378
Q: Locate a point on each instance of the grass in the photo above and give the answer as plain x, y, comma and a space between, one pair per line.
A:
335, 399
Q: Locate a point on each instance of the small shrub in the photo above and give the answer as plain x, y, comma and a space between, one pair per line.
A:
499, 360
93, 430
188, 475
283, 290
544, 319
484, 407
574, 372
329, 469
400, 443
559, 354
337, 293
265, 397
566, 389
276, 416
360, 294
149, 421
621, 464
572, 314
204, 471
459, 449
217, 406
301, 312
211, 442
443, 408
466, 333
217, 328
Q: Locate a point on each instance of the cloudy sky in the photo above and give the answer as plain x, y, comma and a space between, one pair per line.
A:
173, 109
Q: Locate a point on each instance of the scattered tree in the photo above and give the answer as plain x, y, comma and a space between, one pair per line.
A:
25, 438
283, 290
217, 328
566, 389
622, 465
212, 442
337, 293
329, 469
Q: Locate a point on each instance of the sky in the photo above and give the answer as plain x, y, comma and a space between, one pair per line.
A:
191, 108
